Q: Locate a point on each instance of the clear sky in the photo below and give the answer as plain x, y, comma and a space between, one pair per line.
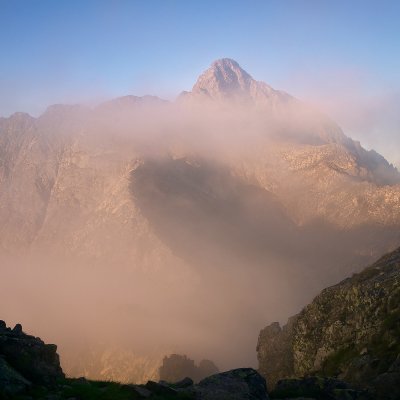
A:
343, 55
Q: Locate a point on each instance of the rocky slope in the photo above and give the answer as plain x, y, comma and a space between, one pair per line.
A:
31, 369
237, 188
23, 356
26, 360
350, 330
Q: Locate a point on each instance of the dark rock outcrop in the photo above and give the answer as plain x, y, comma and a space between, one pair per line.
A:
10, 380
350, 330
31, 368
237, 384
26, 360
242, 383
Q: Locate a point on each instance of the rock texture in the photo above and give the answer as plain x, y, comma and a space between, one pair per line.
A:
26, 360
30, 369
350, 330
243, 383
226, 80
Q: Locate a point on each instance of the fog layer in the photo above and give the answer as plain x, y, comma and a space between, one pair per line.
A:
155, 228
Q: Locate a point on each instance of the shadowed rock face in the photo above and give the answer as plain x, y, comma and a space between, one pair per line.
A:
26, 360
242, 383
198, 206
350, 330
210, 217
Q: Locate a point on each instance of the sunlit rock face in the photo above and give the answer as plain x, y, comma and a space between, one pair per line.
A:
349, 330
195, 216
225, 79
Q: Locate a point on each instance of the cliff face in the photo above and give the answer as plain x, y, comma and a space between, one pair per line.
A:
25, 360
350, 330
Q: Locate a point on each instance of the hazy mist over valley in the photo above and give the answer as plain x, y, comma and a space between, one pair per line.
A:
142, 227
199, 200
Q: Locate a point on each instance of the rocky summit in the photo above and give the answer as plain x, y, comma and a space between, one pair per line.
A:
350, 331
226, 80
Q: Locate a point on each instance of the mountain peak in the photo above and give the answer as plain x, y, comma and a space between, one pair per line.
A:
224, 78
226, 63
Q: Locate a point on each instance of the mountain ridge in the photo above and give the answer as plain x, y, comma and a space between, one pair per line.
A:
122, 191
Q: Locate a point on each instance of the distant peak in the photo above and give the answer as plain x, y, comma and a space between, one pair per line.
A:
21, 116
224, 78
225, 62
229, 66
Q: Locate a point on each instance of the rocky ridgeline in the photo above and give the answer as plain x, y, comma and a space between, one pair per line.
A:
350, 330
30, 369
26, 360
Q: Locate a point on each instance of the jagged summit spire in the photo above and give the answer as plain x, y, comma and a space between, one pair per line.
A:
224, 78
227, 63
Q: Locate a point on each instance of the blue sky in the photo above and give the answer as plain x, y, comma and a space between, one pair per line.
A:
327, 52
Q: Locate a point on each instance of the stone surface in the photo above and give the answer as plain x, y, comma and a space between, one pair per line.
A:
350, 330
11, 382
30, 358
237, 384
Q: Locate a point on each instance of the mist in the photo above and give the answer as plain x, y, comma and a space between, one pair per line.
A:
158, 229
362, 103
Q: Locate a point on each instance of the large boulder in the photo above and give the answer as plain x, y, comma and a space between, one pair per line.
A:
29, 356
237, 384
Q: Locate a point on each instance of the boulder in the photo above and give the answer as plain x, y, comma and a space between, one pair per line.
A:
29, 356
237, 384
184, 383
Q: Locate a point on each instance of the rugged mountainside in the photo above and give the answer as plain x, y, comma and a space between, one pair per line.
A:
350, 330
237, 187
